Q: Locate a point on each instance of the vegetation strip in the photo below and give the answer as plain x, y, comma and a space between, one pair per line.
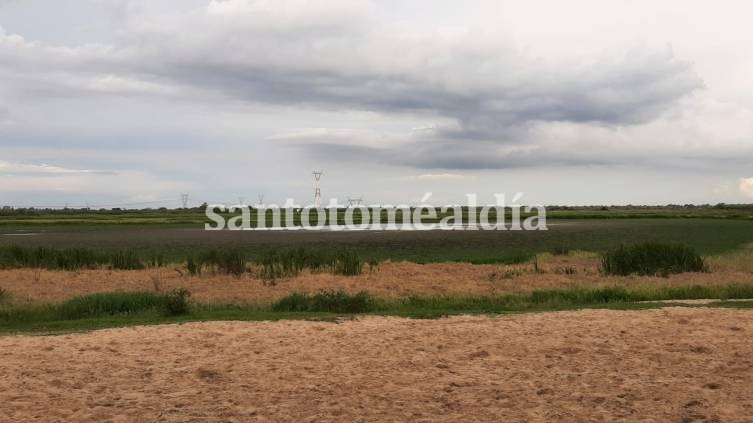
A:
123, 309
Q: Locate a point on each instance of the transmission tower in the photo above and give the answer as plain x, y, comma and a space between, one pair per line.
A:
184, 200
317, 189
261, 199
355, 201
241, 200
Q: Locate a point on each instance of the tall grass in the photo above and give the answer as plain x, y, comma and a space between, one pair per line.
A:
110, 303
231, 261
15, 256
290, 262
651, 258
273, 264
276, 263
123, 303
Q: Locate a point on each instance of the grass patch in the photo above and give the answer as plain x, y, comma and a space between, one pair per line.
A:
111, 303
282, 263
327, 301
123, 303
15, 256
651, 258
228, 261
123, 309
166, 243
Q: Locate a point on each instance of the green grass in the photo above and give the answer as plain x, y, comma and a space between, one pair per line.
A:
274, 263
169, 244
327, 301
288, 262
651, 258
14, 256
104, 306
196, 216
123, 309
111, 303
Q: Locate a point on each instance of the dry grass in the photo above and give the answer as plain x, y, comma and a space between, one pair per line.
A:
389, 280
738, 261
670, 365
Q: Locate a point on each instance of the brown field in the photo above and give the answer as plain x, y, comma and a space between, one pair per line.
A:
389, 280
674, 364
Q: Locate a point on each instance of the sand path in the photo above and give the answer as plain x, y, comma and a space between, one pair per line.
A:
675, 364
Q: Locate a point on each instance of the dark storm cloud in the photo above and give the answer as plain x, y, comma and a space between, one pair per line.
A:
448, 155
633, 89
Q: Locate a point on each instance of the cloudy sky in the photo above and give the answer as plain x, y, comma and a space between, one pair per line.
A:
108, 102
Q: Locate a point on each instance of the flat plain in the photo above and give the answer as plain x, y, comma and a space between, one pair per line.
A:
473, 325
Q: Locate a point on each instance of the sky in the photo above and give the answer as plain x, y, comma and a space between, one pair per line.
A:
133, 102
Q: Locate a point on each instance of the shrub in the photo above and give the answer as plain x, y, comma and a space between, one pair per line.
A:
294, 302
652, 258
327, 301
176, 301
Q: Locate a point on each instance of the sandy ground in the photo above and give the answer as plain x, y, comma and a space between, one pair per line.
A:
389, 280
675, 364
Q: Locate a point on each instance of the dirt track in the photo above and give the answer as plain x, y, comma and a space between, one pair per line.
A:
675, 364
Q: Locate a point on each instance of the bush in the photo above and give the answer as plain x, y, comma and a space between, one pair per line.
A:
176, 302
652, 258
327, 301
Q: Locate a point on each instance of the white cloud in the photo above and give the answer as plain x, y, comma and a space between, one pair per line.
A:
380, 86
38, 169
746, 186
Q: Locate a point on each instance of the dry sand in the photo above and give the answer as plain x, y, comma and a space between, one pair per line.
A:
675, 364
390, 280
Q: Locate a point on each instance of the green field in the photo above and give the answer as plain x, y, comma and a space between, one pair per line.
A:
176, 244
191, 217
177, 236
